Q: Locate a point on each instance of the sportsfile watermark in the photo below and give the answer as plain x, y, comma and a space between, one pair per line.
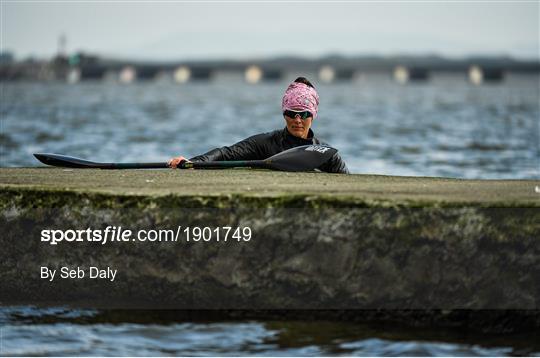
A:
119, 234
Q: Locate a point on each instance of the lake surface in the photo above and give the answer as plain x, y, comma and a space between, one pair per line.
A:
445, 127
59, 331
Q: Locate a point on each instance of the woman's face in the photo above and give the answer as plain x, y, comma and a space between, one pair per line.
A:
297, 126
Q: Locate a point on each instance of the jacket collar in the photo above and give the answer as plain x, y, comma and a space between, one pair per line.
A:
297, 140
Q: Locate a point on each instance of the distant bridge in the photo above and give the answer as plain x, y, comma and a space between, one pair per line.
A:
403, 69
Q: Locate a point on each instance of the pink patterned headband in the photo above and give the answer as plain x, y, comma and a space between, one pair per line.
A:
300, 97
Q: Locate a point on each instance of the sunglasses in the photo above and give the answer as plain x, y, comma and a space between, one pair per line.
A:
303, 115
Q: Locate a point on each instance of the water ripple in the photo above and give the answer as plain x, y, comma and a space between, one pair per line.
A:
73, 332
445, 127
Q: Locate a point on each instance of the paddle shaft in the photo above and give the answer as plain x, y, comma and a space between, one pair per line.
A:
133, 165
186, 165
224, 165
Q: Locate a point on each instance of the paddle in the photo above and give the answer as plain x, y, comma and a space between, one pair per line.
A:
303, 158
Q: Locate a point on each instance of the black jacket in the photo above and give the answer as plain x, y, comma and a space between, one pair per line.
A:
264, 145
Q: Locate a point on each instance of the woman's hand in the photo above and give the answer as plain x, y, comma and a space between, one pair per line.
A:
175, 162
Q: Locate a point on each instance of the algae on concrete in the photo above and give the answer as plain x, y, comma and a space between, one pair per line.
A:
335, 188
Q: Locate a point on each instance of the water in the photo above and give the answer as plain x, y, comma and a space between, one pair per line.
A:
443, 128
446, 127
59, 331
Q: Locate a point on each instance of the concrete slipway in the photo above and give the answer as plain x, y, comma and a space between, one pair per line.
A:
355, 247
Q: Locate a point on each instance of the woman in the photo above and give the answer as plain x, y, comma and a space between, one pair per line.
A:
300, 105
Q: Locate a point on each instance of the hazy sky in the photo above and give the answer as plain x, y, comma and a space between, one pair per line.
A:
180, 30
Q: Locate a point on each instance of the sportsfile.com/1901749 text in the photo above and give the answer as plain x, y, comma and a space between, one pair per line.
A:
112, 234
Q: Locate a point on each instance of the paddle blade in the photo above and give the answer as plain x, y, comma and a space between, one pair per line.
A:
59, 160
303, 158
